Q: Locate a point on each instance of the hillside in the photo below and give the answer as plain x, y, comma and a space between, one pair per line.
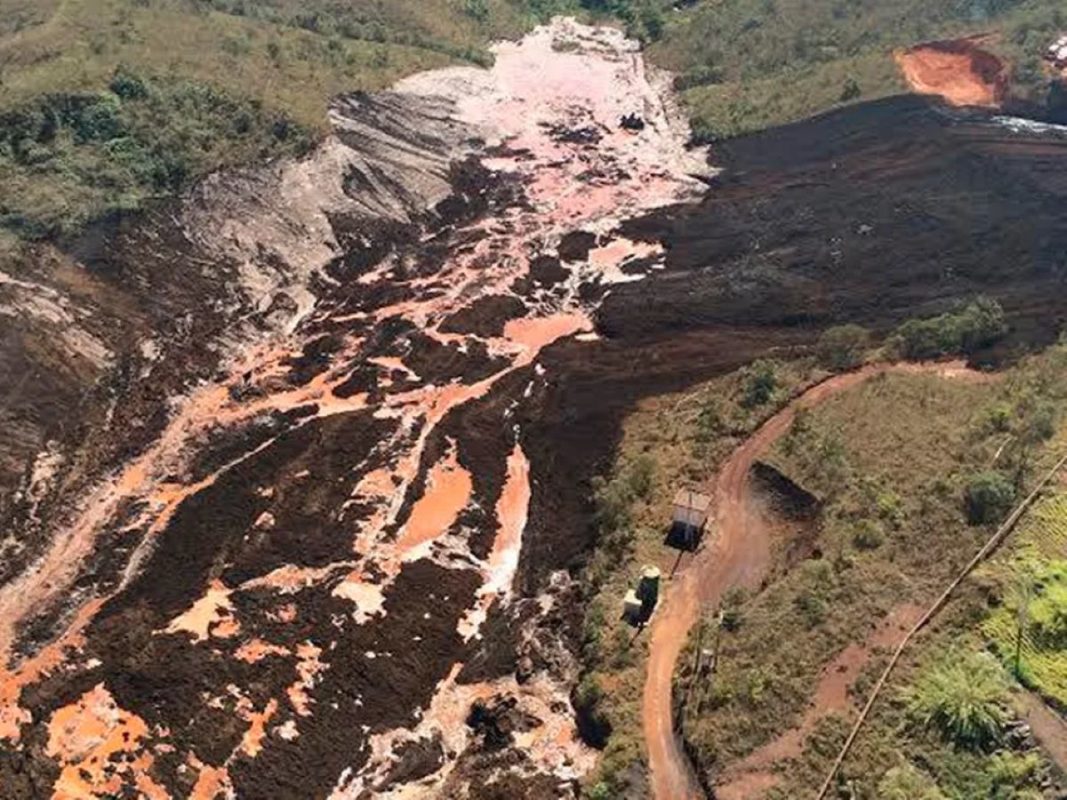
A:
353, 354
108, 104
751, 64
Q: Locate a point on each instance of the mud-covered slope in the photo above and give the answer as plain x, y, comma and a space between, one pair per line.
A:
308, 574
320, 532
889, 210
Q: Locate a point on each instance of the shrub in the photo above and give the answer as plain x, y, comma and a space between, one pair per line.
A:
812, 608
476, 9
850, 91
709, 420
989, 497
842, 347
962, 696
760, 383
612, 504
890, 507
998, 418
127, 85
732, 608
641, 475
978, 324
908, 783
593, 725
868, 535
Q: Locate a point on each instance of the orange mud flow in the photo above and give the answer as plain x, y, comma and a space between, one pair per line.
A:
563, 76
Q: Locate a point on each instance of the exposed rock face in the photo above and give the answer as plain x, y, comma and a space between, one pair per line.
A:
959, 70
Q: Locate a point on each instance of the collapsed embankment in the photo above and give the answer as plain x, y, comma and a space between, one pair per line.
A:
960, 71
340, 523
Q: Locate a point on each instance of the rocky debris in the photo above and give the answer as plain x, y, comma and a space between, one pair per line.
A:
414, 760
486, 316
495, 721
1056, 54
546, 271
585, 134
575, 246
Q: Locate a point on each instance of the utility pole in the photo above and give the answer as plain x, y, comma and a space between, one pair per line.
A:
713, 665
1021, 620
693, 676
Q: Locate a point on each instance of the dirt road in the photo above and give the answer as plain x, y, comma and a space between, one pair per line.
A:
737, 554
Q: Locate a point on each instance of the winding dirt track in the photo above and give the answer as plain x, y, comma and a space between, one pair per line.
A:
738, 554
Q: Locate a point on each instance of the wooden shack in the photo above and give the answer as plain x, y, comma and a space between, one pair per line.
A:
691, 509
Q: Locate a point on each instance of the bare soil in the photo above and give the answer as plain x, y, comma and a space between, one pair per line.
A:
959, 71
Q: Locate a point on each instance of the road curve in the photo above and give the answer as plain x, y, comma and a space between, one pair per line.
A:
737, 554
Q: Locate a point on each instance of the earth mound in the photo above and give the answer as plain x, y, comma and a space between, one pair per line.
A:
958, 70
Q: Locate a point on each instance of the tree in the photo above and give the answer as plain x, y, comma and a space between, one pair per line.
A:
989, 497
963, 697
980, 324
842, 347
976, 325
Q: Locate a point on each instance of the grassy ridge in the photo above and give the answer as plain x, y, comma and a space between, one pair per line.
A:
742, 65
746, 64
227, 82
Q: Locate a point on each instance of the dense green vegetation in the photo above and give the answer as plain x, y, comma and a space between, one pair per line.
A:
68, 158
963, 696
978, 324
747, 64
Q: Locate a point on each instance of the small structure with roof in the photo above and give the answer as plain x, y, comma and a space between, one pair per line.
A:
691, 509
638, 605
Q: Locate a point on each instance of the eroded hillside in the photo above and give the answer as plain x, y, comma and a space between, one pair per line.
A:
298, 480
